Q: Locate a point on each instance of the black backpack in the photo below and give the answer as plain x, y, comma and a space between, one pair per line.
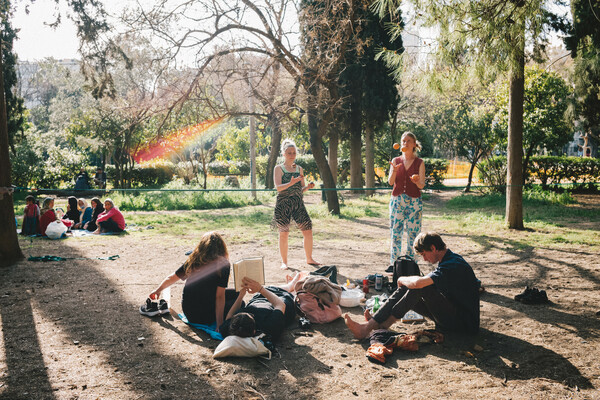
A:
403, 266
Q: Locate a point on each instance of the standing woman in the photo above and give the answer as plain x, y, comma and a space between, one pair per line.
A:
290, 185
407, 175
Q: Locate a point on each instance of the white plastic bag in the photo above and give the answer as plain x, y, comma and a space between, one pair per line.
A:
235, 346
55, 229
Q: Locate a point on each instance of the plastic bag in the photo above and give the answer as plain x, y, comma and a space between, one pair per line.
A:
55, 229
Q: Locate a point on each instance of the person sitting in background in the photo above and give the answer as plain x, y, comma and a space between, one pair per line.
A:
98, 209
47, 215
72, 213
111, 220
31, 217
100, 178
85, 214
82, 180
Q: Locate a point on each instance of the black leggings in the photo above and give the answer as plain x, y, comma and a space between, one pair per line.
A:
427, 301
206, 313
110, 226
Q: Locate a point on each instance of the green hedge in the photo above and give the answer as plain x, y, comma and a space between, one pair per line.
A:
435, 170
545, 169
144, 175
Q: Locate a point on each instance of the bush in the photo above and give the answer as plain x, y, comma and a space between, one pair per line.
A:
548, 170
147, 175
435, 170
492, 172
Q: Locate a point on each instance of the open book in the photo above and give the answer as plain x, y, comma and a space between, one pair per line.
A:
253, 268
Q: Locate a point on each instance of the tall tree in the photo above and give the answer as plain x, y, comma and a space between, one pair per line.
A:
584, 43
544, 123
368, 88
494, 34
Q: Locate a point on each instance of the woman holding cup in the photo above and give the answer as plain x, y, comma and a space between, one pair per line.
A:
407, 175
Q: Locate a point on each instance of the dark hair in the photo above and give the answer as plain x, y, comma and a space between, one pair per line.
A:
30, 198
425, 240
242, 325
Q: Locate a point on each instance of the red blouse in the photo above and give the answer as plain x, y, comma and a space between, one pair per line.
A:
403, 184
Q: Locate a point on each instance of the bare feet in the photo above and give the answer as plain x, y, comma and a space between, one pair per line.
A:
313, 263
360, 331
367, 314
96, 232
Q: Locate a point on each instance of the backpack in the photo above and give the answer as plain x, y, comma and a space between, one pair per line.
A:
315, 310
403, 266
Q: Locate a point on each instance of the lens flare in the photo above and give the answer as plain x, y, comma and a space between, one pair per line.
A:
174, 142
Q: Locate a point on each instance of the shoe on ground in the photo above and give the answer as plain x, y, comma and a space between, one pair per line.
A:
163, 307
150, 308
524, 294
535, 297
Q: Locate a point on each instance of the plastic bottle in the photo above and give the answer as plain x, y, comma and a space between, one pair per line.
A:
365, 287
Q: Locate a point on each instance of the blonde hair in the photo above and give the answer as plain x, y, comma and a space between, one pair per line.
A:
211, 247
412, 135
46, 205
286, 144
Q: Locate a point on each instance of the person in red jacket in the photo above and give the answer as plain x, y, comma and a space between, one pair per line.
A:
47, 215
407, 175
111, 220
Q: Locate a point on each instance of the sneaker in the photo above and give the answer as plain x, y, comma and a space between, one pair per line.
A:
163, 307
536, 296
524, 294
150, 309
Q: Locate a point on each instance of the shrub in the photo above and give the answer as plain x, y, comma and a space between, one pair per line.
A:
435, 169
492, 172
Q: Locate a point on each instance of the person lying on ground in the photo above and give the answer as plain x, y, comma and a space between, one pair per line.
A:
449, 295
269, 311
206, 299
98, 209
110, 220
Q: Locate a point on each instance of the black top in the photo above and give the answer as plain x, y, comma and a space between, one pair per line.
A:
268, 319
199, 293
455, 279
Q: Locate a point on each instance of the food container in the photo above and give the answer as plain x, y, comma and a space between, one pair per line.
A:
351, 298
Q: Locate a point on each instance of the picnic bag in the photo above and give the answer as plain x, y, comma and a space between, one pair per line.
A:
315, 310
403, 266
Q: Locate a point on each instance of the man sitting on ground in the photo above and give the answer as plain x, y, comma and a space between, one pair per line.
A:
449, 295
269, 311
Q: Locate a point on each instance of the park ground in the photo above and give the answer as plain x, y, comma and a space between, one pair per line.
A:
71, 329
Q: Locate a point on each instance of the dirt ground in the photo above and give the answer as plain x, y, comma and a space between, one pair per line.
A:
71, 329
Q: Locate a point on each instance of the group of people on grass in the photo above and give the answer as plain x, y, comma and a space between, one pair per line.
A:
100, 217
449, 295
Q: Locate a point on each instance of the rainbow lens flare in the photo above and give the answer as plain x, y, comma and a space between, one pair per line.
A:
174, 142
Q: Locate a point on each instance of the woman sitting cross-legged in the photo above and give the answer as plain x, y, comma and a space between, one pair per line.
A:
111, 219
97, 209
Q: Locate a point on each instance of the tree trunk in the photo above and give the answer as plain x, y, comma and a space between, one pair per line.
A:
275, 148
334, 141
473, 164
356, 135
369, 159
528, 154
10, 251
514, 159
316, 145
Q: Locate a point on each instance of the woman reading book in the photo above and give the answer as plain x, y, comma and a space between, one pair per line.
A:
206, 299
290, 185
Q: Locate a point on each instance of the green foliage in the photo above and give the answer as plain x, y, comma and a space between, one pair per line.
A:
186, 200
144, 176
544, 122
435, 170
234, 143
548, 170
492, 172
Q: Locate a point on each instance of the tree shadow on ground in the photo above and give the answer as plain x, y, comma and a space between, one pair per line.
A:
92, 316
